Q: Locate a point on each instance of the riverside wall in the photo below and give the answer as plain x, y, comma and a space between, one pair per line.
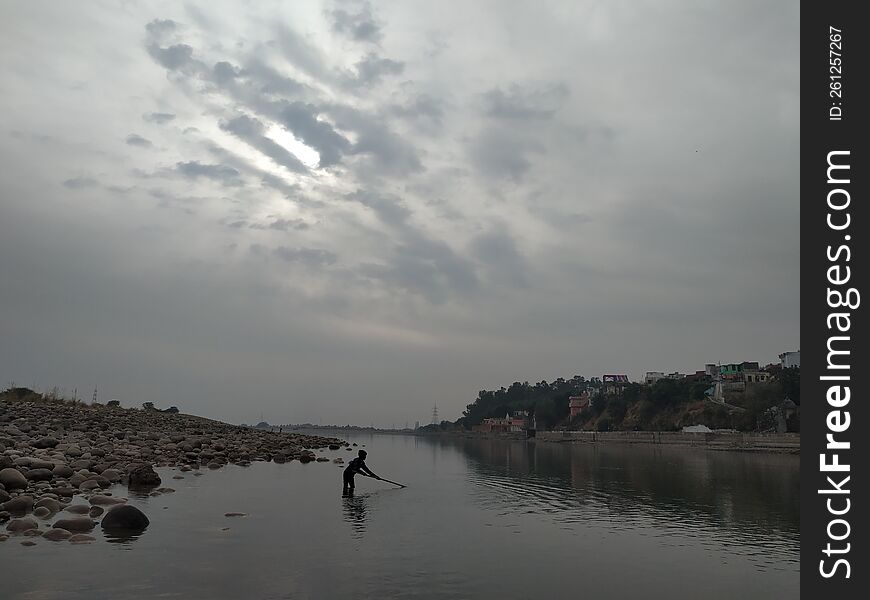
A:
778, 442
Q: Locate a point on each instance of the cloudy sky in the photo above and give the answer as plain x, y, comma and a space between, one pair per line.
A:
346, 212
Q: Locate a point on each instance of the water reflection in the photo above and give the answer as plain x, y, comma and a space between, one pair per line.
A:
748, 503
355, 509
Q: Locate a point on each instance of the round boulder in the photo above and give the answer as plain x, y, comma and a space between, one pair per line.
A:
56, 534
101, 500
19, 504
50, 503
144, 476
22, 525
13, 479
41, 512
39, 475
76, 524
46, 442
124, 518
81, 538
62, 471
78, 509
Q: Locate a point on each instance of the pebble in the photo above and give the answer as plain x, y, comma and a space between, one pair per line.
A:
19, 525
76, 524
56, 534
41, 512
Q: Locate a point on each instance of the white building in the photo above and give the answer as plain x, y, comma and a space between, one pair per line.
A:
653, 376
790, 359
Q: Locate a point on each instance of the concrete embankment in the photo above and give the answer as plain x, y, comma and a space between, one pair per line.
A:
762, 442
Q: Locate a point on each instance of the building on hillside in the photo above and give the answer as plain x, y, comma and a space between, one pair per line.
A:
613, 384
790, 359
755, 376
711, 369
519, 421
697, 376
652, 376
578, 404
674, 375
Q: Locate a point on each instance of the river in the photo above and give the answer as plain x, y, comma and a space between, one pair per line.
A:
479, 519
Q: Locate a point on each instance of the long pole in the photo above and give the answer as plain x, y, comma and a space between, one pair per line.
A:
388, 481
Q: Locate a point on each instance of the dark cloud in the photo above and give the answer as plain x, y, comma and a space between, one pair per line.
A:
267, 80
161, 27
301, 120
195, 170
421, 106
175, 58
224, 72
389, 209
288, 224
135, 139
524, 103
78, 183
372, 69
310, 257
159, 118
502, 155
497, 249
299, 52
360, 26
284, 225
252, 130
391, 154
427, 267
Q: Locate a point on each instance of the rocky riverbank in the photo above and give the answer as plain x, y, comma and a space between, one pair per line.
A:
59, 459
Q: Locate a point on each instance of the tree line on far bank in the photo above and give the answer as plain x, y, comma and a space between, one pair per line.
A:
666, 405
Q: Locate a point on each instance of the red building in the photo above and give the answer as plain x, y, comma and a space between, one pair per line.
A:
578, 403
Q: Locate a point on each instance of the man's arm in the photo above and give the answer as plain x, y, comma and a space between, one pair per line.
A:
368, 471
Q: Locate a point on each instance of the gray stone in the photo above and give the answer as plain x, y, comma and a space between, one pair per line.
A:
50, 503
41, 512
62, 471
56, 534
46, 442
101, 500
76, 524
81, 538
78, 509
89, 485
144, 476
21, 525
95, 511
19, 504
13, 479
113, 475
39, 475
124, 518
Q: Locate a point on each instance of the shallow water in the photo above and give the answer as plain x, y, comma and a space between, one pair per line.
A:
479, 519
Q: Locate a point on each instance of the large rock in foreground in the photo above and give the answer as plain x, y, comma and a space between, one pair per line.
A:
144, 476
76, 524
13, 479
125, 519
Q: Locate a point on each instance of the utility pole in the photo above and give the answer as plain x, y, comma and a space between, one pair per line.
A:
434, 414
95, 394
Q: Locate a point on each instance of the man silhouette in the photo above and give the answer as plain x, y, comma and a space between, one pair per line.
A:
357, 465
